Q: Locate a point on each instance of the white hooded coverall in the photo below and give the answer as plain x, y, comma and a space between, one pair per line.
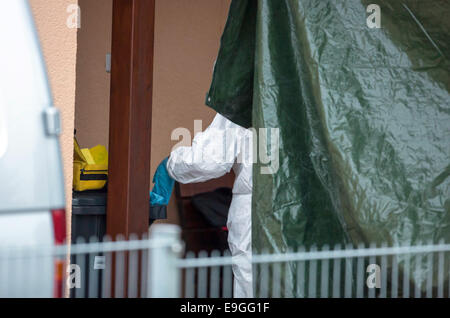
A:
221, 147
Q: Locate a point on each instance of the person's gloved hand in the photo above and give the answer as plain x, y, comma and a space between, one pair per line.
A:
162, 190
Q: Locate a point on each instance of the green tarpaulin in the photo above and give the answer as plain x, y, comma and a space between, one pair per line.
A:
363, 115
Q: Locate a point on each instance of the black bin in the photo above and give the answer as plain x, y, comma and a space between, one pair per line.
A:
89, 215
89, 220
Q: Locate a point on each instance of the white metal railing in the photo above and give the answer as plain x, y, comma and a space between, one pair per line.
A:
155, 267
94, 269
399, 271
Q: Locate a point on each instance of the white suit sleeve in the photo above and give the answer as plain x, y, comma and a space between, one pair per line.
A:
212, 154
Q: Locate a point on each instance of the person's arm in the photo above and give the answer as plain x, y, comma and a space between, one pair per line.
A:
212, 154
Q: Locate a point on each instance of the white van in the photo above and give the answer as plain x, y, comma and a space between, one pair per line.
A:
32, 203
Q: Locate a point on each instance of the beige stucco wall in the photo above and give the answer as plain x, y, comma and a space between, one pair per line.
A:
187, 38
59, 44
93, 82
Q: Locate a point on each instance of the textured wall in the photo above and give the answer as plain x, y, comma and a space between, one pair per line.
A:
59, 44
93, 82
187, 42
186, 45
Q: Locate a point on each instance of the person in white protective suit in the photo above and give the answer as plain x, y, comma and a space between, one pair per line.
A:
221, 147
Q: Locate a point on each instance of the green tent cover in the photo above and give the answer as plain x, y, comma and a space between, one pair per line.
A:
363, 115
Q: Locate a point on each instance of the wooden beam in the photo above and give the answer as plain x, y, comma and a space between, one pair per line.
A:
130, 117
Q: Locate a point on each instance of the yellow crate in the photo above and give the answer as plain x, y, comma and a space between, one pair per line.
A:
90, 168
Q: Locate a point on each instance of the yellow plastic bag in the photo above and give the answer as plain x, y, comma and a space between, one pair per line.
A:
90, 167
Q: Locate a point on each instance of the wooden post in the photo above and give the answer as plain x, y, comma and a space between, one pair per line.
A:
130, 117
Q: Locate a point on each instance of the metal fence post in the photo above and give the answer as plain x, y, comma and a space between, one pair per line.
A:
164, 252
